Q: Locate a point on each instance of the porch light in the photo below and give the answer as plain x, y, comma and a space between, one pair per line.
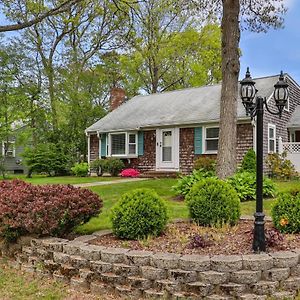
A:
281, 93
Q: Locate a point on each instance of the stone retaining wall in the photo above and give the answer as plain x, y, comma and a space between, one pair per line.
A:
144, 274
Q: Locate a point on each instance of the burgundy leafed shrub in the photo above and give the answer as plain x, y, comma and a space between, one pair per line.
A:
130, 173
44, 210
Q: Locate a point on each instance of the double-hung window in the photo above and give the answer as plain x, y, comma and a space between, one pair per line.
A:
123, 144
271, 138
211, 139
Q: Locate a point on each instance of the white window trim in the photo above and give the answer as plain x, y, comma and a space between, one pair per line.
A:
126, 155
14, 149
274, 127
288, 105
204, 140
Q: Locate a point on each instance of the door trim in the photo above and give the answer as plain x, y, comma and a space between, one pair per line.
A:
174, 166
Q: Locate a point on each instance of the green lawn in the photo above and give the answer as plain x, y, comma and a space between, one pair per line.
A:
42, 179
177, 209
111, 193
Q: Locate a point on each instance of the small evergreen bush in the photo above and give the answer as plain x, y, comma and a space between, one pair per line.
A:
286, 213
139, 214
80, 169
113, 165
185, 183
44, 210
98, 165
205, 163
245, 185
249, 162
213, 202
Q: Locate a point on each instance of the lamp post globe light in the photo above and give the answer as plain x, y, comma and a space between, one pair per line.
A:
254, 106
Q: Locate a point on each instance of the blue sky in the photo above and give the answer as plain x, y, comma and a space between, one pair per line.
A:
269, 53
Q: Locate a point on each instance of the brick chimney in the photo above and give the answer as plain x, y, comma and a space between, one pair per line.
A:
117, 97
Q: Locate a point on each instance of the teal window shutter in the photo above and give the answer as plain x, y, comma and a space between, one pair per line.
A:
198, 140
140, 143
103, 144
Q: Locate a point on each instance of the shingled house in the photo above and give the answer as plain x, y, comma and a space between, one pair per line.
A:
168, 131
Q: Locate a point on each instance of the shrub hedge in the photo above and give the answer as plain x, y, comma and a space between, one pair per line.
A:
44, 210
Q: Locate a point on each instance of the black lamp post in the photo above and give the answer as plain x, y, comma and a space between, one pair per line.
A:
255, 108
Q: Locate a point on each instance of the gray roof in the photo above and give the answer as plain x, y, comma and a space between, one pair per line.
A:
181, 107
295, 119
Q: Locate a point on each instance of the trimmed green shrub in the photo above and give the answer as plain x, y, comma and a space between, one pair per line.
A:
80, 169
249, 162
113, 166
245, 185
286, 213
205, 163
185, 183
139, 214
213, 202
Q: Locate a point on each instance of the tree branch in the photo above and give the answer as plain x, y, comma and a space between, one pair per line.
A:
54, 11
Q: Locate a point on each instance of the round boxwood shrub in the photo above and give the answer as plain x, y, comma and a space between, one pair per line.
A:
213, 202
286, 213
139, 214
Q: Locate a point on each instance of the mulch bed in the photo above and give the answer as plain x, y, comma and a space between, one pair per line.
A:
187, 238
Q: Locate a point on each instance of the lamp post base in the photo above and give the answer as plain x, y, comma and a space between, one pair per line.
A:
259, 241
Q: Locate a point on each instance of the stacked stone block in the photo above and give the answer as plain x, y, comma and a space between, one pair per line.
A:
145, 274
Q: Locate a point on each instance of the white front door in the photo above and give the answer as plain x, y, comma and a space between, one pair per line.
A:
167, 149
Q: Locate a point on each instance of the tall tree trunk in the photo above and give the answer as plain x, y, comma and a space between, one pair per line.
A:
50, 74
226, 163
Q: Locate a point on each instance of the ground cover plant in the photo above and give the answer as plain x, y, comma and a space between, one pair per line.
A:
44, 210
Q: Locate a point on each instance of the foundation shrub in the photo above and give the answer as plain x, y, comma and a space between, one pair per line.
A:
98, 165
44, 210
139, 214
286, 213
205, 163
213, 202
113, 166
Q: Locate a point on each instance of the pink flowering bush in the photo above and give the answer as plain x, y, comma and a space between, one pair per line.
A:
44, 210
130, 173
